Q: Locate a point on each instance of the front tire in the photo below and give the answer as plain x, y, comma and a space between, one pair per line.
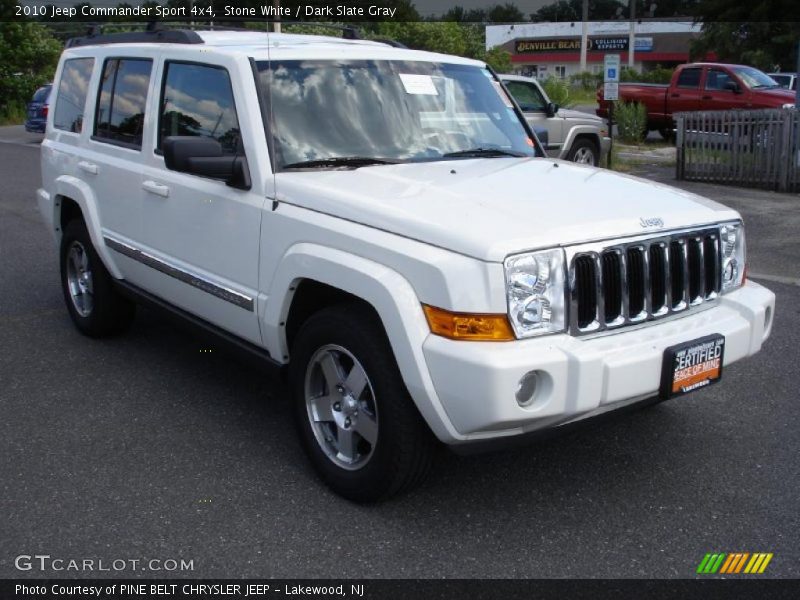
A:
96, 308
584, 152
356, 420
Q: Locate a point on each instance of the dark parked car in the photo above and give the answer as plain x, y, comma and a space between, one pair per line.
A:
37, 109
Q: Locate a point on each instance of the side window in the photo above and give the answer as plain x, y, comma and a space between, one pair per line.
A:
689, 78
717, 80
121, 101
527, 95
72, 90
198, 100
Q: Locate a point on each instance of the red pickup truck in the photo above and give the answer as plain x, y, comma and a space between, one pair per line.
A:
701, 86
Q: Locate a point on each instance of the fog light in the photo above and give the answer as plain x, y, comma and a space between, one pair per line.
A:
526, 389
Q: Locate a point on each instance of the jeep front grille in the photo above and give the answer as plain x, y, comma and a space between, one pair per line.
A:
625, 282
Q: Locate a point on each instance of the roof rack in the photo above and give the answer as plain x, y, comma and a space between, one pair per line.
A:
153, 35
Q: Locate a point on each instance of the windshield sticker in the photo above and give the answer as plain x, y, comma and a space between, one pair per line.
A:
502, 93
420, 85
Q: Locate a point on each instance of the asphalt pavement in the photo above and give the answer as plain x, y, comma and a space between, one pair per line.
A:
148, 447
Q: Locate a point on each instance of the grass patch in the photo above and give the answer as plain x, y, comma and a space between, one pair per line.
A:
12, 115
581, 96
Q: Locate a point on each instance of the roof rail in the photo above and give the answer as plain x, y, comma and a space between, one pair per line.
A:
349, 32
153, 35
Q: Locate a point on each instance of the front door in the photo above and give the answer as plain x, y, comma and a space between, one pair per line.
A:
200, 237
534, 106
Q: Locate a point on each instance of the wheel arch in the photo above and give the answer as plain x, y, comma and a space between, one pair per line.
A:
73, 198
581, 132
311, 276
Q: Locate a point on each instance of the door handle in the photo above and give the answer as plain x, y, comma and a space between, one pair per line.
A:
707, 98
88, 167
155, 188
675, 95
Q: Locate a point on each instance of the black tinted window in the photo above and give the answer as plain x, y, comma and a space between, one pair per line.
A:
717, 80
122, 99
72, 91
198, 100
527, 95
689, 78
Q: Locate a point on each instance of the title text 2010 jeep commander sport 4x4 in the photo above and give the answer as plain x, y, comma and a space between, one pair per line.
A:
383, 222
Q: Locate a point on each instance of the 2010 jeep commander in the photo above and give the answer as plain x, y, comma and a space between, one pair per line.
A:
383, 222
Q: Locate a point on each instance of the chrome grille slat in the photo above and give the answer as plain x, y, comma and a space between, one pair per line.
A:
600, 316
668, 274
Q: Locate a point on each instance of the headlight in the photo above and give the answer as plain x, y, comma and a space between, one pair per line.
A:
788, 105
732, 255
535, 292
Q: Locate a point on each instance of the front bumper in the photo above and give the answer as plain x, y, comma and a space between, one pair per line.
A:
476, 382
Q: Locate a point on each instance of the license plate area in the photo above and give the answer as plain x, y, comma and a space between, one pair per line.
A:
692, 365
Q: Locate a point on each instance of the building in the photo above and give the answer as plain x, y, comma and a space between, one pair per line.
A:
545, 49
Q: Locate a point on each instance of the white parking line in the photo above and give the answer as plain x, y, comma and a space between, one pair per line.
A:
775, 278
21, 143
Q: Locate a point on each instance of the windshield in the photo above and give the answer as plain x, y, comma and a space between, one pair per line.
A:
393, 111
753, 78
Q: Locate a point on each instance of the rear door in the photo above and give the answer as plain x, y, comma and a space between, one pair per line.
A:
686, 95
112, 164
200, 236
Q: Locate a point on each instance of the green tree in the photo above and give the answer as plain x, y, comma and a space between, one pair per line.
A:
763, 34
499, 13
30, 54
499, 59
448, 38
572, 10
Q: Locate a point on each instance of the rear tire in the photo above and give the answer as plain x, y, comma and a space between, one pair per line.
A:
584, 152
96, 308
356, 420
668, 134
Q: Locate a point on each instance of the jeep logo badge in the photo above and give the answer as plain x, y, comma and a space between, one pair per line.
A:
651, 222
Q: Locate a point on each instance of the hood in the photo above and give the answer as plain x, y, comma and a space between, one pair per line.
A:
567, 113
490, 208
776, 96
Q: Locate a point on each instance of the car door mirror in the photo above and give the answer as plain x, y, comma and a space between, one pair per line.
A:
203, 156
552, 109
732, 86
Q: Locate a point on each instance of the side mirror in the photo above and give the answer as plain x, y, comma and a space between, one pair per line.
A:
552, 109
732, 86
203, 156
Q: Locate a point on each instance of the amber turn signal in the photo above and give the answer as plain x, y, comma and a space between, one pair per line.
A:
466, 326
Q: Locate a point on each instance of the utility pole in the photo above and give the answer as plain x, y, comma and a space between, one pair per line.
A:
797, 87
631, 34
276, 27
584, 33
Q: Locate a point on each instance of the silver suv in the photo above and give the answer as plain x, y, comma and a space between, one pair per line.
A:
571, 135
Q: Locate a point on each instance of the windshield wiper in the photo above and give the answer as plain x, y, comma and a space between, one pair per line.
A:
341, 161
485, 152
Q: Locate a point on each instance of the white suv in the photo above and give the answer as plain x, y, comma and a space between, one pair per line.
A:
382, 222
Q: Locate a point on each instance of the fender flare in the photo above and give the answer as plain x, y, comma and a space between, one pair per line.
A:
388, 292
574, 132
77, 190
